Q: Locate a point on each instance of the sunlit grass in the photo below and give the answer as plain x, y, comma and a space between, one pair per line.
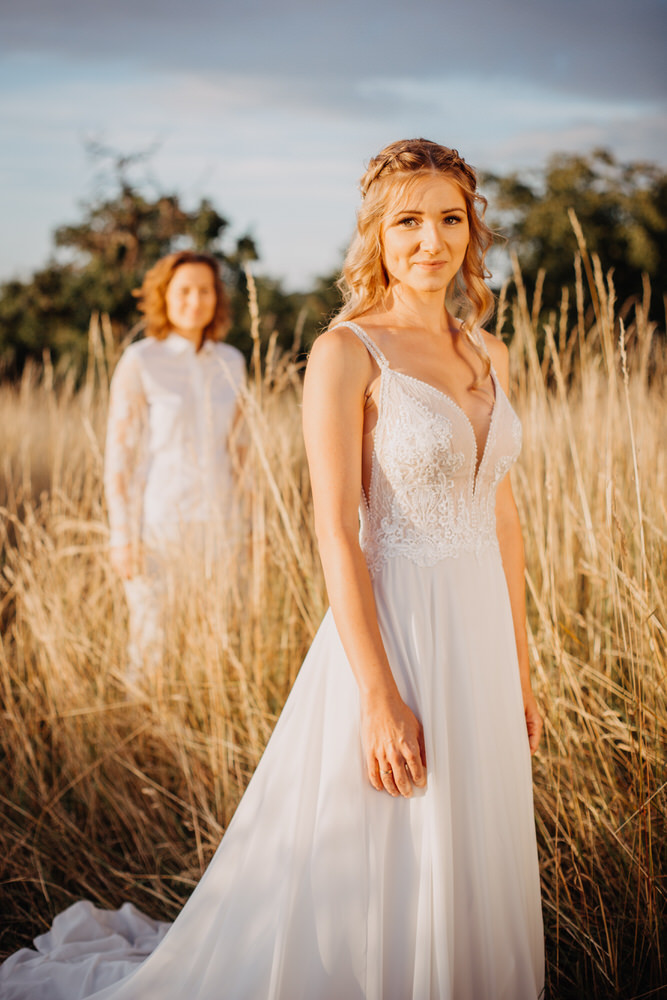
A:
115, 794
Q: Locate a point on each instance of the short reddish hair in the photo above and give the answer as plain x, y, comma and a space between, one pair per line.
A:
153, 290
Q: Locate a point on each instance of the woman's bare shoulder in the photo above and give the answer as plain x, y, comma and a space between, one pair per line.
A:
498, 354
341, 349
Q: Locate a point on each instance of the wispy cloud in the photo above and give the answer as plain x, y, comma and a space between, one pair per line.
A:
604, 46
272, 109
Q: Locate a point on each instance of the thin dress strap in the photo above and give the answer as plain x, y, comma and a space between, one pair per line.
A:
370, 345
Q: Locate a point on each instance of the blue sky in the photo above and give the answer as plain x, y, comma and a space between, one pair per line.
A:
272, 108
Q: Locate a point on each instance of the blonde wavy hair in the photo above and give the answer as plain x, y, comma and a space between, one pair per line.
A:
364, 281
152, 301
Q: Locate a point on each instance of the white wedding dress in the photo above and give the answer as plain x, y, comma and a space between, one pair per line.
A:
322, 887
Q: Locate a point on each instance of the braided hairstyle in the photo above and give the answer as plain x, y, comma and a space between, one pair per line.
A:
364, 281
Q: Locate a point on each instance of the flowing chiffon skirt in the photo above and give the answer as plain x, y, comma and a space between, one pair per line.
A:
322, 887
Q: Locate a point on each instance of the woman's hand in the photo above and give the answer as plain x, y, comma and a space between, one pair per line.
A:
534, 721
393, 742
124, 561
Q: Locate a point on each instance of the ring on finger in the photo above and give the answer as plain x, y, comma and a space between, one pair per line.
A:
388, 771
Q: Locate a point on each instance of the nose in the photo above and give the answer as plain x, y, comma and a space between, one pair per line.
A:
431, 240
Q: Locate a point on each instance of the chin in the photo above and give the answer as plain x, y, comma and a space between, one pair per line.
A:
430, 285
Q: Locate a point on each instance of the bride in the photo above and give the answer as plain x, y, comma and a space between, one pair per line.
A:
385, 848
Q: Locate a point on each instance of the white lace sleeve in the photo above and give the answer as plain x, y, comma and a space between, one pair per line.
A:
123, 460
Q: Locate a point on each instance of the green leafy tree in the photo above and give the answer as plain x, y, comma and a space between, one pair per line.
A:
621, 207
120, 236
325, 299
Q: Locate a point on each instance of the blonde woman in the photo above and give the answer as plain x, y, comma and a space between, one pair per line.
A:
385, 848
168, 464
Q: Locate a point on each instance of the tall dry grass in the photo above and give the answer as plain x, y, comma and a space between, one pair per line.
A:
115, 794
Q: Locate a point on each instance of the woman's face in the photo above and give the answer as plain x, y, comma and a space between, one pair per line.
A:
190, 300
425, 234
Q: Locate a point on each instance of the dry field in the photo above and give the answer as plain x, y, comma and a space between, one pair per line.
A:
116, 794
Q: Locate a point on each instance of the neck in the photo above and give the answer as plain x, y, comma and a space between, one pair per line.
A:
194, 336
405, 308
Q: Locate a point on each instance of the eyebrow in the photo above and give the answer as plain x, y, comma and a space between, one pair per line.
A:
417, 211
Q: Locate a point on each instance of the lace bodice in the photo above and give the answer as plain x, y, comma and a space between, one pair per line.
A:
431, 496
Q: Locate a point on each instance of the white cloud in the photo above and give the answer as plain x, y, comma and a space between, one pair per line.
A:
277, 157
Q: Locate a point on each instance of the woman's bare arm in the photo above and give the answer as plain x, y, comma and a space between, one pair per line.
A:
338, 372
510, 540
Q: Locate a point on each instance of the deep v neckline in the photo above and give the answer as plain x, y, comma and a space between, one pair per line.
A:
384, 366
479, 454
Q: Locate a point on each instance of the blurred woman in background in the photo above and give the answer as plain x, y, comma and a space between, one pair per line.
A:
169, 463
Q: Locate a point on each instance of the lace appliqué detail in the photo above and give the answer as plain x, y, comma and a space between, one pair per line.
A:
505, 462
426, 500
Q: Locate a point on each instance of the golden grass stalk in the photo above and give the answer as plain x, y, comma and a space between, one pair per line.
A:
112, 793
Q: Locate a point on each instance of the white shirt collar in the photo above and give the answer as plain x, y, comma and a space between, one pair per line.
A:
176, 344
